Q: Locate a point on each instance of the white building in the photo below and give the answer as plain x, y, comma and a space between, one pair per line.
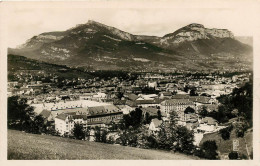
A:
155, 124
178, 105
64, 123
152, 84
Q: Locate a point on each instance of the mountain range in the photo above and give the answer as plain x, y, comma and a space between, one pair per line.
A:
100, 47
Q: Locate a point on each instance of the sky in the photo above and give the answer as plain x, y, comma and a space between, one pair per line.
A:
25, 22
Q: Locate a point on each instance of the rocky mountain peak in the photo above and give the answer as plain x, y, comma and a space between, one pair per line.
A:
195, 25
92, 22
194, 32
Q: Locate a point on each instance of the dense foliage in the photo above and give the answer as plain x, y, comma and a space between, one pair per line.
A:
233, 155
21, 116
241, 99
78, 131
225, 132
208, 150
134, 119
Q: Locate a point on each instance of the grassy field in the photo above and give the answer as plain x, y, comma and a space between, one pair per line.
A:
24, 146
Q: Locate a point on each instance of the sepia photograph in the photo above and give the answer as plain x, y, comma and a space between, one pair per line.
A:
128, 81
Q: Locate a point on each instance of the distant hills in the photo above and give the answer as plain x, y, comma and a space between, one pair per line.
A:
100, 47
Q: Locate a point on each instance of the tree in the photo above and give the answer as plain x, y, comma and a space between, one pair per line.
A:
225, 132
185, 139
159, 115
104, 136
209, 149
123, 138
173, 118
238, 103
97, 134
134, 119
87, 132
20, 115
78, 131
193, 92
189, 110
147, 119
203, 112
165, 137
119, 95
233, 155
241, 126
186, 89
37, 125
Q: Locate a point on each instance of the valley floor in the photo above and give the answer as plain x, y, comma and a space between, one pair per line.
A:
25, 146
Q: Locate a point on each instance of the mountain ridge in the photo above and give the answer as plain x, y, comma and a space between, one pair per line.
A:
98, 46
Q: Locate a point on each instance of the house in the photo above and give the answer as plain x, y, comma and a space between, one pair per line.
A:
151, 110
87, 96
165, 95
119, 102
100, 96
154, 125
181, 96
64, 123
147, 97
136, 90
201, 100
152, 84
131, 96
148, 103
207, 124
47, 116
125, 108
102, 116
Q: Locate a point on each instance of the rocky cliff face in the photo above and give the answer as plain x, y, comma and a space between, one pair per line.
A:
194, 32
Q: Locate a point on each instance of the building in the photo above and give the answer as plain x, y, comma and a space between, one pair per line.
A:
152, 84
177, 105
207, 124
148, 103
167, 95
155, 125
103, 116
64, 123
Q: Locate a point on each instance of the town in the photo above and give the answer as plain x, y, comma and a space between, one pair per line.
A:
103, 103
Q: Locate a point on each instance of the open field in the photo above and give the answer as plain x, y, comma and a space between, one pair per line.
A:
26, 146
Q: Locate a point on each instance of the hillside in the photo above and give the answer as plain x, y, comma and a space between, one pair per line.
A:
226, 146
44, 147
19, 63
101, 47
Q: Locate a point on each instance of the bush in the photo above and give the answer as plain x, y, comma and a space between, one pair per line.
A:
111, 140
152, 142
123, 138
240, 128
100, 135
78, 131
198, 152
209, 149
104, 136
225, 133
233, 155
243, 156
